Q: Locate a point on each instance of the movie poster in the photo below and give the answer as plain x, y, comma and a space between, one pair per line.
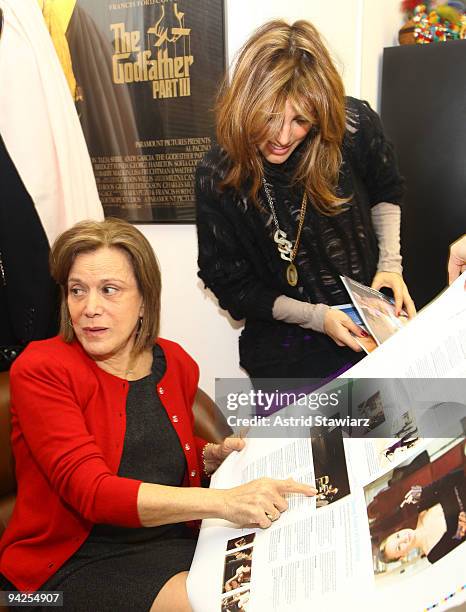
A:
146, 74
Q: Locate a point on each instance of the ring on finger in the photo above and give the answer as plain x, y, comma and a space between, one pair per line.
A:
271, 517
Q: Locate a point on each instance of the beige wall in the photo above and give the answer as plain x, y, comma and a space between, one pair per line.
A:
356, 32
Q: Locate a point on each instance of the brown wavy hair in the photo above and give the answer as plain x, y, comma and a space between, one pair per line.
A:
283, 62
89, 236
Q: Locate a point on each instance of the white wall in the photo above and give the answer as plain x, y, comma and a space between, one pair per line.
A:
381, 21
356, 32
243, 16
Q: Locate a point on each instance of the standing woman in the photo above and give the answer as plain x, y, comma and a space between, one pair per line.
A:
302, 188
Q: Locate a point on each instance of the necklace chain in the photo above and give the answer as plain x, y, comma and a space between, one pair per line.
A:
302, 214
271, 204
285, 247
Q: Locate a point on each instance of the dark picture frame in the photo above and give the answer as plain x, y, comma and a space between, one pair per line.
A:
146, 80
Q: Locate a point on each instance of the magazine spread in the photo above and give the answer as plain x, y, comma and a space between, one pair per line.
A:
376, 310
387, 527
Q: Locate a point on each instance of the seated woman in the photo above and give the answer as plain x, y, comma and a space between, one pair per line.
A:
441, 524
107, 463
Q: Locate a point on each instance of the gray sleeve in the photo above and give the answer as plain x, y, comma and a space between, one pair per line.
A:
386, 221
304, 314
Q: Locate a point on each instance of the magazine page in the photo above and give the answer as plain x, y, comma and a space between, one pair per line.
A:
368, 344
376, 310
400, 543
417, 524
432, 346
319, 548
332, 550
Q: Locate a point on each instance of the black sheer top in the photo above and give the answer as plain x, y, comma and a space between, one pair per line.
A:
238, 258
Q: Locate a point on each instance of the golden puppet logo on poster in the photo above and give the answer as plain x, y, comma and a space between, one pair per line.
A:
164, 58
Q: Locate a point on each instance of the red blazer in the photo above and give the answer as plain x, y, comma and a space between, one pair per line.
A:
68, 427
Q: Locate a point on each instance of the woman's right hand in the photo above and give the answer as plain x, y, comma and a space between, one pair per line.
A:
457, 259
261, 501
339, 326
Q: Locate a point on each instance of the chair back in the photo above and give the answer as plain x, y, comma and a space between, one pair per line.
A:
7, 472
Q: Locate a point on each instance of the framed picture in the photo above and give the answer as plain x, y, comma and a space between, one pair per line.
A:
146, 75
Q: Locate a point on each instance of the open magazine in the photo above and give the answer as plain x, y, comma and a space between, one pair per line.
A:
374, 312
368, 344
386, 529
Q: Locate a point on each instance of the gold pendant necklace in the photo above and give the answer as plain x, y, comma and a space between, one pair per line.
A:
292, 275
285, 247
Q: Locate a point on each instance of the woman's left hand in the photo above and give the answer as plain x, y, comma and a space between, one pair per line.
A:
395, 282
215, 454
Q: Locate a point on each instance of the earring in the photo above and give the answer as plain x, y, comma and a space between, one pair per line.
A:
139, 325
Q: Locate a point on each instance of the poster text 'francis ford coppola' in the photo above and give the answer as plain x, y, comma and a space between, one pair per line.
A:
131, 63
135, 181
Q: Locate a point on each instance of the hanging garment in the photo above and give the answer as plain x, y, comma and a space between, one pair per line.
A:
28, 295
39, 123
